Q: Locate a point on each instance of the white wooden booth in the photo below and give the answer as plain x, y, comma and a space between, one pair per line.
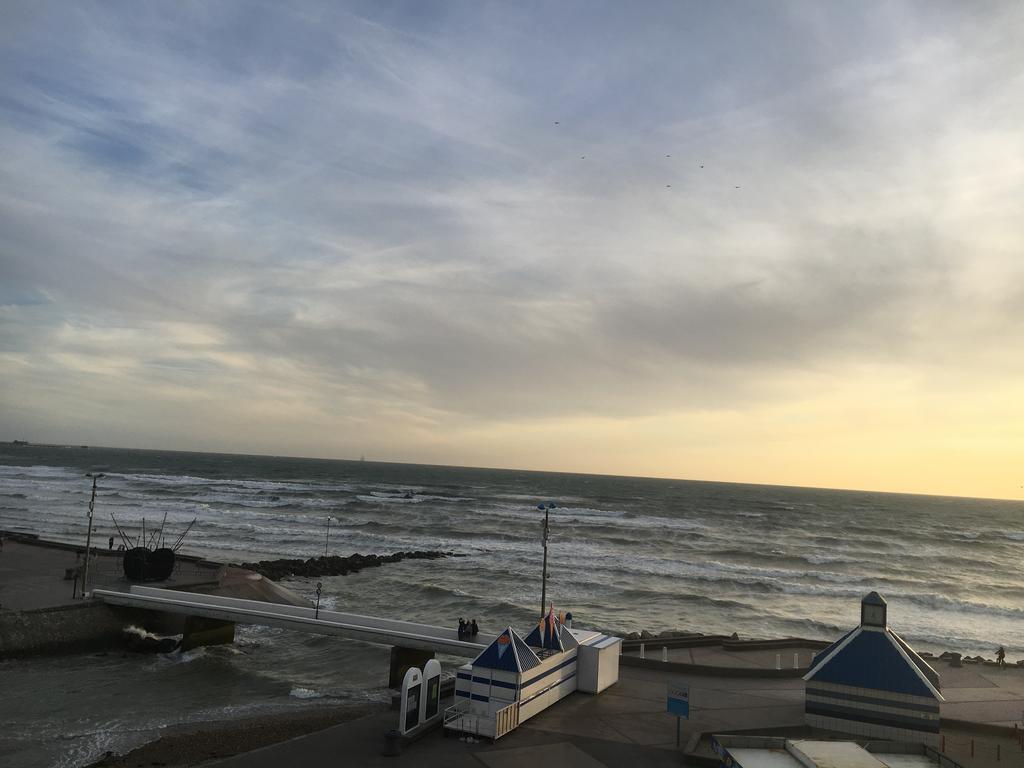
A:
514, 678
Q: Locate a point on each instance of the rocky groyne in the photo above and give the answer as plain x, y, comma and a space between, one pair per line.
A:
335, 565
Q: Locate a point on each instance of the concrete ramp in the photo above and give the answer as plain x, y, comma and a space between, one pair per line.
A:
247, 585
370, 629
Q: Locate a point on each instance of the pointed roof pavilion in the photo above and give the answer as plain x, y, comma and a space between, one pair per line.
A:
873, 656
871, 683
508, 653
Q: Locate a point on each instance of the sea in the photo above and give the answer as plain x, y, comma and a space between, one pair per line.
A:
624, 554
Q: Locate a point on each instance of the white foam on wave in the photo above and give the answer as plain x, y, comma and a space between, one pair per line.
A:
37, 471
820, 559
184, 657
381, 499
305, 693
144, 634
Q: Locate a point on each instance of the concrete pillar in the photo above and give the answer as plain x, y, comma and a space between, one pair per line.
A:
200, 630
403, 659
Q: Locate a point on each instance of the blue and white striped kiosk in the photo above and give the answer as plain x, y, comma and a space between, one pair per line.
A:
872, 684
515, 678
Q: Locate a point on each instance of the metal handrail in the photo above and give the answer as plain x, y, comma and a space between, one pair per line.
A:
455, 711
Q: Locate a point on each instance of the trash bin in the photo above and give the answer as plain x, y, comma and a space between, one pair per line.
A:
393, 742
954, 660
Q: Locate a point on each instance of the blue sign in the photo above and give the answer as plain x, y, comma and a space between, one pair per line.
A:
679, 699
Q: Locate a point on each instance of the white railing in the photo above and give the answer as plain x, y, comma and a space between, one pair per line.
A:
456, 710
506, 719
460, 717
370, 629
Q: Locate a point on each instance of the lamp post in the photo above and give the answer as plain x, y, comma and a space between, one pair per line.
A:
327, 542
544, 570
88, 535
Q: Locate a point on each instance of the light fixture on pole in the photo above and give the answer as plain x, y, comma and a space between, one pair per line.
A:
544, 570
327, 542
88, 535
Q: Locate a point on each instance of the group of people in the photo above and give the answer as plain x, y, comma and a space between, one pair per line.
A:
467, 629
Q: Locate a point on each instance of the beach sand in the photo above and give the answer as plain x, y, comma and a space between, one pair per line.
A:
197, 743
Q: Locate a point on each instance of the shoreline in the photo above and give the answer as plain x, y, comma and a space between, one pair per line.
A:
188, 744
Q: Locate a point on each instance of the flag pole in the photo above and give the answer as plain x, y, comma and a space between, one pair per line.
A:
88, 535
544, 569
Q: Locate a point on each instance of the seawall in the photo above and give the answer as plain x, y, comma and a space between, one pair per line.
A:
84, 626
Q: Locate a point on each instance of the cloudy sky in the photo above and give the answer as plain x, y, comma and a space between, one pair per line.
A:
764, 242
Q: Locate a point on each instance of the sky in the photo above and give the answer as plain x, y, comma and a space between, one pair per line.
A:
742, 241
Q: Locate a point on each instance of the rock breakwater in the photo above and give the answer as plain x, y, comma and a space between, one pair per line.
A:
335, 565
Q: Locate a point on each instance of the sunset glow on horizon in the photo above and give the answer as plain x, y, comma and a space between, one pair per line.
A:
764, 243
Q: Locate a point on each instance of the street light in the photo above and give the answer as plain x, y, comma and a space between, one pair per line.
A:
88, 535
328, 540
544, 571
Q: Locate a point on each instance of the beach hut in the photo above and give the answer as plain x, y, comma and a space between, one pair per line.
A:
871, 683
514, 678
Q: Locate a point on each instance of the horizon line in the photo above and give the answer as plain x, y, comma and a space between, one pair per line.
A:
81, 446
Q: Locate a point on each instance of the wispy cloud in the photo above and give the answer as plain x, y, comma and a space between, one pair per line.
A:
412, 227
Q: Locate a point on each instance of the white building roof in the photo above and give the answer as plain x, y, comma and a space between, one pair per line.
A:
764, 758
832, 754
806, 753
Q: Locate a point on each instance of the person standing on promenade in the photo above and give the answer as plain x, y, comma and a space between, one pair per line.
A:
110, 543
1001, 657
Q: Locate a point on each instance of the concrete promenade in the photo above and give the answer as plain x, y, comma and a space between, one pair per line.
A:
32, 575
628, 726
625, 726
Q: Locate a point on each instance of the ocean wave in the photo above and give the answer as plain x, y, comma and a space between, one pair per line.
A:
382, 499
231, 484
959, 605
184, 657
822, 559
690, 598
38, 471
776, 549
305, 693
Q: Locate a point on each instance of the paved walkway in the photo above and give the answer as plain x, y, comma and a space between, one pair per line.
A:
982, 693
32, 575
628, 726
625, 726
